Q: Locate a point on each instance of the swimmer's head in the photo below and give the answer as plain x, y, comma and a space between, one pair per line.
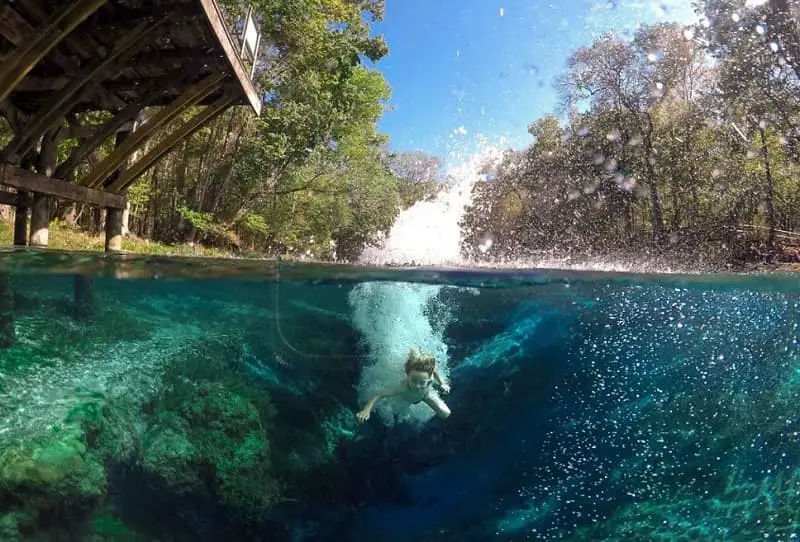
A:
420, 363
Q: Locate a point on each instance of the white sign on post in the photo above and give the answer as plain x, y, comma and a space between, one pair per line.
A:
251, 35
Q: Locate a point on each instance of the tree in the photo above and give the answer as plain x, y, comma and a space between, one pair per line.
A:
419, 176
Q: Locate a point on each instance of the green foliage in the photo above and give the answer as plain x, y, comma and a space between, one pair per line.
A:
203, 222
418, 175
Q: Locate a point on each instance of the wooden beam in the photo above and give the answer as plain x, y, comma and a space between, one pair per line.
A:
13, 26
22, 179
15, 199
103, 132
114, 230
169, 60
169, 57
34, 83
26, 29
62, 101
47, 36
122, 15
214, 16
116, 159
16, 118
39, 236
187, 128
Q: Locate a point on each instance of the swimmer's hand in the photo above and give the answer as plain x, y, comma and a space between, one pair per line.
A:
363, 415
445, 387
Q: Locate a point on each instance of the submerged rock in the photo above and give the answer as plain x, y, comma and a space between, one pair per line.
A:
210, 441
55, 477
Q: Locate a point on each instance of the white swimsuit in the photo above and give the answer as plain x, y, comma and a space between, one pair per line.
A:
416, 395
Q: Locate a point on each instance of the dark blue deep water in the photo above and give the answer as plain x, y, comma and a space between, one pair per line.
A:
172, 400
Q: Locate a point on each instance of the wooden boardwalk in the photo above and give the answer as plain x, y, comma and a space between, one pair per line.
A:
61, 58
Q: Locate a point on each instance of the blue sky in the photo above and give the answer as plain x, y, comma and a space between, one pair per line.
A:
465, 69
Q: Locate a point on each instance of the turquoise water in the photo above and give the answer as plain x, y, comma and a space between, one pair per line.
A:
177, 399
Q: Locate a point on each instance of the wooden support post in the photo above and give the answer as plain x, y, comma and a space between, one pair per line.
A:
114, 230
40, 210
40, 220
84, 308
48, 35
116, 159
20, 226
7, 335
127, 178
115, 218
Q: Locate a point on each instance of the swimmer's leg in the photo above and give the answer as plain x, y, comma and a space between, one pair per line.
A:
439, 406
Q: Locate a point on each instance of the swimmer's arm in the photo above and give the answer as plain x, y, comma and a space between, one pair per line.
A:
364, 413
442, 384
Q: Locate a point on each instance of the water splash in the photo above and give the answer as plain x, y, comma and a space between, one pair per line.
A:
429, 232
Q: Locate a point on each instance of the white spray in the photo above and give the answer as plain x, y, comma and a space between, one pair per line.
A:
429, 232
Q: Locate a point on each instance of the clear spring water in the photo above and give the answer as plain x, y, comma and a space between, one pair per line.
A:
198, 400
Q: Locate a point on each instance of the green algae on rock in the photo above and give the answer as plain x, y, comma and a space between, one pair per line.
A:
55, 476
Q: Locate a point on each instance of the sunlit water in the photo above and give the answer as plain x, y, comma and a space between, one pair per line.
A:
208, 399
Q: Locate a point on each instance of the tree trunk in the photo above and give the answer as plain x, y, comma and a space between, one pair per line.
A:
68, 212
676, 208
656, 213
769, 194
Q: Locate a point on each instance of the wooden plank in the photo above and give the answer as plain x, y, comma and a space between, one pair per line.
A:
189, 127
63, 101
116, 159
122, 14
101, 99
47, 36
15, 199
59, 58
22, 179
214, 16
34, 83
13, 26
